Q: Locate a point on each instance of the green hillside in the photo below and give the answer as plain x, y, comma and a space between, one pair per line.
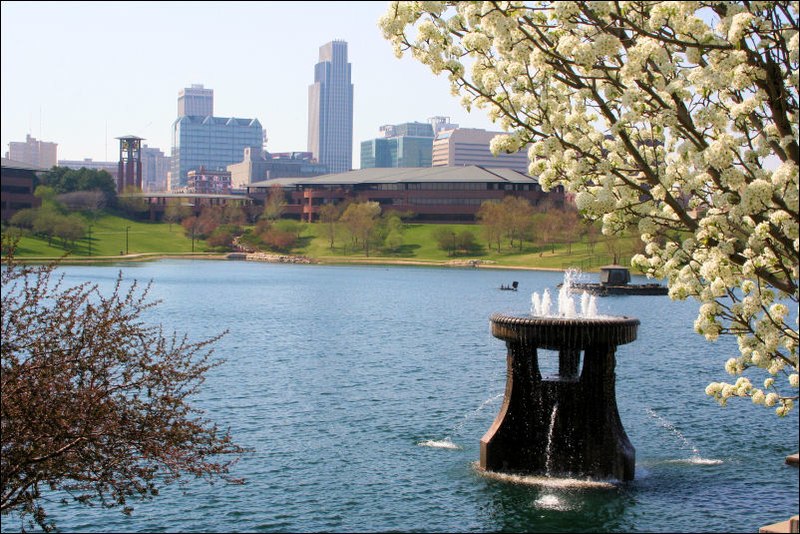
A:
113, 237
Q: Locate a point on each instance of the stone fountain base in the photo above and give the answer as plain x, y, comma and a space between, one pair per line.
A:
566, 425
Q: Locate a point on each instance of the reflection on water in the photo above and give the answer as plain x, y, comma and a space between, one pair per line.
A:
545, 481
538, 507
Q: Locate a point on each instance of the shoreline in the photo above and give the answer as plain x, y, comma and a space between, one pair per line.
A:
281, 258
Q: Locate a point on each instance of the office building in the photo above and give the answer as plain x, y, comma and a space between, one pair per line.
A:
403, 145
40, 154
205, 140
155, 167
432, 194
470, 146
205, 182
17, 183
259, 165
330, 109
196, 101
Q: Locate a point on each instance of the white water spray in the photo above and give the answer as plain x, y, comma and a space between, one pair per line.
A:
695, 457
540, 306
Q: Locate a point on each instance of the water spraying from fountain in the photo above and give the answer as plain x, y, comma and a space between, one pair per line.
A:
548, 463
540, 305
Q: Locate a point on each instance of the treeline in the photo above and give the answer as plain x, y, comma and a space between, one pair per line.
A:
512, 222
73, 199
355, 226
68, 197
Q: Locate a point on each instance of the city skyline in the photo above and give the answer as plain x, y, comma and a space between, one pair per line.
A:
59, 86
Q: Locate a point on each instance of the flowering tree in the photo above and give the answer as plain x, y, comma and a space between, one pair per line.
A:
678, 117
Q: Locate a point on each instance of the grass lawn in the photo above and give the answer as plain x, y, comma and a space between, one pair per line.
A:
420, 245
112, 236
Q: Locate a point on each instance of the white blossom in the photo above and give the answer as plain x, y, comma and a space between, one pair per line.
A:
689, 133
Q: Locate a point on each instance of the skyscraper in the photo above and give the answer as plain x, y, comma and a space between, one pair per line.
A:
196, 100
330, 109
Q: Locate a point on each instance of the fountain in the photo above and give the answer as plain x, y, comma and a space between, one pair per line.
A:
567, 424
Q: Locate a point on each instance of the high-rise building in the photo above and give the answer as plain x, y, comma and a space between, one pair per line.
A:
34, 152
155, 166
470, 146
330, 109
404, 145
196, 100
205, 140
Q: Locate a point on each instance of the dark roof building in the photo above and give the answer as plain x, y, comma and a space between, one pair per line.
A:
432, 194
17, 184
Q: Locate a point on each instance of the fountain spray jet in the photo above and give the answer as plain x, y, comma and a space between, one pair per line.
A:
540, 305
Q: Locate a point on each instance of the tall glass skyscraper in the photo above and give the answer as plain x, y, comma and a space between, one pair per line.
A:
330, 109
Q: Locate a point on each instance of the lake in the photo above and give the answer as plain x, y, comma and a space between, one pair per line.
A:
364, 392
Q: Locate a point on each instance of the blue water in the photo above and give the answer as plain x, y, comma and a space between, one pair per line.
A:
364, 392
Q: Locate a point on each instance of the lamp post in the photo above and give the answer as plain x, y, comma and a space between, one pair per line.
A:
126, 239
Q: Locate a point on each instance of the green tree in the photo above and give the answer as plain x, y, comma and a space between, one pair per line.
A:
69, 229
46, 223
392, 231
446, 239
676, 118
329, 215
132, 202
517, 219
65, 180
275, 204
361, 218
175, 211
96, 403
490, 215
466, 241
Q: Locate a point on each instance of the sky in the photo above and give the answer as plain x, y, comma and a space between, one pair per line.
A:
81, 74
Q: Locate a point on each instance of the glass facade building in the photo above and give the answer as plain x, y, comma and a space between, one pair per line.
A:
211, 142
330, 109
405, 145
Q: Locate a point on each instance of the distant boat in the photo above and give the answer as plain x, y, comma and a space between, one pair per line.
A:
615, 280
512, 287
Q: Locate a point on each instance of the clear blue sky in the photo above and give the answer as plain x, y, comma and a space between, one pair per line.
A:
64, 71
